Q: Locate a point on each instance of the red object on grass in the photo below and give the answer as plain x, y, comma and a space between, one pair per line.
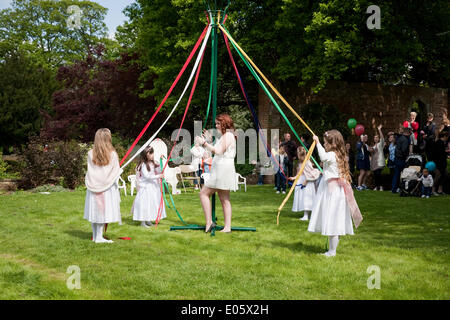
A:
124, 238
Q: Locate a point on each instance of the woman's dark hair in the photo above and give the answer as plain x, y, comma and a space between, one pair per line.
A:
145, 159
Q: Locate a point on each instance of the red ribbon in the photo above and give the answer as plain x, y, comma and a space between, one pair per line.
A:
178, 135
167, 94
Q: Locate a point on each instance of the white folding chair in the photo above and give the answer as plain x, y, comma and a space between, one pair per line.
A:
239, 182
132, 180
205, 176
122, 185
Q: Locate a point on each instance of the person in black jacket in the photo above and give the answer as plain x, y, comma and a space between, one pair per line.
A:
291, 150
439, 156
350, 158
401, 153
280, 177
429, 135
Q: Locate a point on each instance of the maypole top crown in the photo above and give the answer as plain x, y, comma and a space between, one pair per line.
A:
217, 9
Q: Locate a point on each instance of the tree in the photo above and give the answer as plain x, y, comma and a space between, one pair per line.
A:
98, 92
26, 87
304, 42
41, 28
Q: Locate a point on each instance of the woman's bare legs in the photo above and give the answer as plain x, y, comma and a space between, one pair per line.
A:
224, 196
204, 195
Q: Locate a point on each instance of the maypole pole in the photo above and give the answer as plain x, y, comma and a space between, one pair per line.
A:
216, 14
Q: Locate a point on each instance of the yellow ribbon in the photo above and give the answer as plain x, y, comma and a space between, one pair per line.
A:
308, 155
267, 81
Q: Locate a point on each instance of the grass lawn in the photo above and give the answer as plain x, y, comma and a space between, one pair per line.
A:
42, 235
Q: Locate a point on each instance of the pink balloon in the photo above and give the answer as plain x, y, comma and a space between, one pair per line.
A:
359, 129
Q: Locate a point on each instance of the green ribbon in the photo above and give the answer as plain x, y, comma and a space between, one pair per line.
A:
271, 98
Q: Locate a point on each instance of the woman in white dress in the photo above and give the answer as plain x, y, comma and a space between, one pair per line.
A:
305, 190
102, 203
223, 174
148, 206
334, 205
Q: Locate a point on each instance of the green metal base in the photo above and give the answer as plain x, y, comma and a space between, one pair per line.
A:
199, 227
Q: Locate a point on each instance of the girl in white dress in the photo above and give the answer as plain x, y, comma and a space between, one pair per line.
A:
334, 205
223, 174
305, 190
102, 204
148, 199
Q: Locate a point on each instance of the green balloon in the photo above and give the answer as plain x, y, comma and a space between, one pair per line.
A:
351, 123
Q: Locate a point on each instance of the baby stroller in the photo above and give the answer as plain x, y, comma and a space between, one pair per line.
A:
409, 178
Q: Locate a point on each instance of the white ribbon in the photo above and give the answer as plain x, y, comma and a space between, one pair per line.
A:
194, 69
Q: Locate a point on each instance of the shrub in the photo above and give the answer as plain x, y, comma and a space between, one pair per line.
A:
38, 167
69, 158
49, 188
3, 167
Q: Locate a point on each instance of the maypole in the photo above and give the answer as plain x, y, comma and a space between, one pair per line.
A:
217, 14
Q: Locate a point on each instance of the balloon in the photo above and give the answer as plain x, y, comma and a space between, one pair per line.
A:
431, 166
406, 124
359, 129
351, 123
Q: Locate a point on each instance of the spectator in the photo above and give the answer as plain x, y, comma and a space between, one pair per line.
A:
258, 171
290, 148
440, 155
283, 161
401, 153
350, 158
427, 183
377, 162
362, 162
414, 126
390, 152
429, 135
275, 149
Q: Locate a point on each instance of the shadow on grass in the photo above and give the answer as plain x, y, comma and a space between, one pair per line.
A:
299, 246
79, 234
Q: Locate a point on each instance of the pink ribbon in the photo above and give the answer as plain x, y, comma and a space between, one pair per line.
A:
349, 196
100, 199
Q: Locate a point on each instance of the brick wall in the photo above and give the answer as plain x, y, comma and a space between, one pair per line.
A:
369, 103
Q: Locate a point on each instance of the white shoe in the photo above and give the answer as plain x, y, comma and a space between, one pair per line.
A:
304, 218
278, 191
103, 240
427, 197
284, 192
329, 254
375, 189
381, 189
423, 196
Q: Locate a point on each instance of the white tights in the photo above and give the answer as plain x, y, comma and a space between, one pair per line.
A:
333, 243
97, 233
306, 215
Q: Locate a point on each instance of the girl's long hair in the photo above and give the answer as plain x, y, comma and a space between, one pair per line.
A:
101, 153
301, 154
337, 145
144, 159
